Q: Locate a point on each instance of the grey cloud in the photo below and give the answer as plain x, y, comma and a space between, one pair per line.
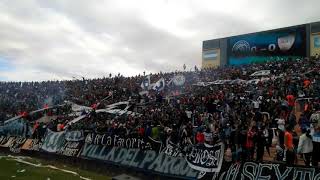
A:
66, 38
148, 44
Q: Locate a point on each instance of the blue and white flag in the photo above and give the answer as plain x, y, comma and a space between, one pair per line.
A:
179, 80
145, 83
159, 85
170, 82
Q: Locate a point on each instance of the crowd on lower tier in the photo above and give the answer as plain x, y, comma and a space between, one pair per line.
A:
279, 110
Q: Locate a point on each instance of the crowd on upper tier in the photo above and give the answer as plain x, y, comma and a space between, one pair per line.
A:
249, 117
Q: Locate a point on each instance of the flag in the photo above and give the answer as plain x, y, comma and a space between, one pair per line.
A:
170, 82
179, 80
145, 83
159, 86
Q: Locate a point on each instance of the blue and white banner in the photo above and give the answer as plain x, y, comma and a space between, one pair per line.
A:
53, 141
16, 127
146, 160
74, 136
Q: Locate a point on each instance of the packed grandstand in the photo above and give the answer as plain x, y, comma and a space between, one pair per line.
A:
257, 112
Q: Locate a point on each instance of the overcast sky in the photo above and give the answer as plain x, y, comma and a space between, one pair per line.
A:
61, 39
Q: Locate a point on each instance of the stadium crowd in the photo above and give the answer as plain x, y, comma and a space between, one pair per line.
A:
248, 114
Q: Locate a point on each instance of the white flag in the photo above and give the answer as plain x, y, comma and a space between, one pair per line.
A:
160, 84
179, 80
145, 83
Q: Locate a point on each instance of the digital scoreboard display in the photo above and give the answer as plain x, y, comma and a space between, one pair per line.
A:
267, 46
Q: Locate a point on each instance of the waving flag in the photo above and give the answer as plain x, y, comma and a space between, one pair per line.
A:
179, 80
145, 83
159, 85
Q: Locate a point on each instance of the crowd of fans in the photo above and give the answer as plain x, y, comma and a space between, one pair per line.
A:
17, 97
278, 109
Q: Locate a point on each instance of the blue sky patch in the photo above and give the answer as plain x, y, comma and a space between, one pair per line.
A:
5, 65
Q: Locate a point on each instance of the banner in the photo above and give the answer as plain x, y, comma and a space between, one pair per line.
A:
17, 127
4, 141
172, 150
117, 141
32, 145
203, 157
266, 171
70, 148
141, 159
16, 143
53, 141
73, 143
74, 136
206, 157
202, 162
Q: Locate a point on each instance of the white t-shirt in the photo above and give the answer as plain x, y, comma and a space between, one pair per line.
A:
281, 123
189, 113
255, 104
